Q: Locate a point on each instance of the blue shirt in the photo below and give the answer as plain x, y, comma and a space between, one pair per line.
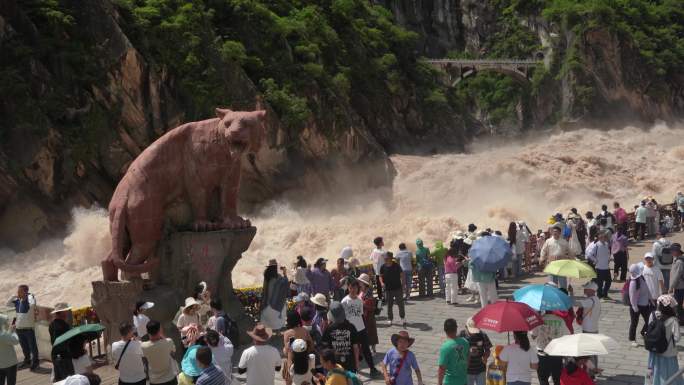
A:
211, 376
392, 360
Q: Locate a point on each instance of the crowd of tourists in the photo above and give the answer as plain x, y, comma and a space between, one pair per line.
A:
332, 326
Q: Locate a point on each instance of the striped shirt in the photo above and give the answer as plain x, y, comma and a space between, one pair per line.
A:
211, 376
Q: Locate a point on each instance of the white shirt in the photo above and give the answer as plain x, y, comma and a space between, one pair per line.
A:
223, 355
298, 379
353, 310
131, 368
592, 313
599, 252
653, 276
140, 322
378, 259
518, 363
25, 320
81, 364
260, 362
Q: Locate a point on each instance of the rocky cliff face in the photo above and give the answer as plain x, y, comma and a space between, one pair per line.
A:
608, 82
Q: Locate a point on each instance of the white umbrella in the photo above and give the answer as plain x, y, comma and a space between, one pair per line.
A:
583, 344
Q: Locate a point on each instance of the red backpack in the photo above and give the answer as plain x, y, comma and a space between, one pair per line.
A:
625, 293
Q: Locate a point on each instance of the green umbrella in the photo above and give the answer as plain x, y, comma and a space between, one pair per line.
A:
570, 268
89, 332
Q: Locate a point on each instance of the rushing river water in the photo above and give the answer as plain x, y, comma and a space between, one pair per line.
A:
432, 196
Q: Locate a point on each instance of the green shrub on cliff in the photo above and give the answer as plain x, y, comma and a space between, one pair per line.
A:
300, 54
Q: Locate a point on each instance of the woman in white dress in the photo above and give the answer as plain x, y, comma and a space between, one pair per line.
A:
575, 245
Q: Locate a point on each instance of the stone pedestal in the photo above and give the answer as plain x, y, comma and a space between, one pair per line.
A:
189, 257
114, 303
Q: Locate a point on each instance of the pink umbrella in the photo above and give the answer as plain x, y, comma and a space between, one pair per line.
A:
507, 316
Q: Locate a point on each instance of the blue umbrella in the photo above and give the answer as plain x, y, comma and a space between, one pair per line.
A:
490, 253
543, 297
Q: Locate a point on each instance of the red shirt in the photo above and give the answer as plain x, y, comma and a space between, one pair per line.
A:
578, 377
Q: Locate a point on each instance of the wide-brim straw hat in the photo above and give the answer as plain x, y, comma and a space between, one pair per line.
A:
189, 302
320, 300
364, 278
59, 307
402, 334
470, 325
260, 333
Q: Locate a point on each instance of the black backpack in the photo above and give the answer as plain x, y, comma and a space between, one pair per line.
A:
665, 257
655, 339
230, 330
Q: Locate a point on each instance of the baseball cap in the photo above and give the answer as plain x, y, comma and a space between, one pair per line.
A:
648, 255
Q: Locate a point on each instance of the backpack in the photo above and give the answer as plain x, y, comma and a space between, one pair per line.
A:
655, 339
665, 257
352, 378
625, 292
230, 330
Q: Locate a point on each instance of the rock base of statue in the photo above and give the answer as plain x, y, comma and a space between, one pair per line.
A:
186, 258
114, 303
189, 257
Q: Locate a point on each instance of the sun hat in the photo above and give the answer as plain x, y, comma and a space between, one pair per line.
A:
320, 300
301, 297
470, 325
189, 363
190, 302
364, 278
591, 285
403, 335
77, 379
336, 313
272, 262
298, 345
60, 306
260, 333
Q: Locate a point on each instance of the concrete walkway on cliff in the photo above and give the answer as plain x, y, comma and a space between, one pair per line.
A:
626, 366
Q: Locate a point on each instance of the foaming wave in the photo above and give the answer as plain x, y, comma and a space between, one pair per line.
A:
527, 179
61, 270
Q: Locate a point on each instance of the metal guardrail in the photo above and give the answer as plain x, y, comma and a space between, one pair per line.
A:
486, 61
